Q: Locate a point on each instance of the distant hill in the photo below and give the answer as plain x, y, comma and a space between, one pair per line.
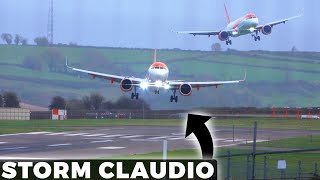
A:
273, 78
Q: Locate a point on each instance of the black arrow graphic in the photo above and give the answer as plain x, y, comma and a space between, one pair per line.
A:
196, 125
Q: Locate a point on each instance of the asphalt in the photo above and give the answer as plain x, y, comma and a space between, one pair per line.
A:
119, 141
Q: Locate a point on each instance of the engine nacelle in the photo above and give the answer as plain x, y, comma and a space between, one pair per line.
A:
126, 85
223, 35
266, 30
185, 89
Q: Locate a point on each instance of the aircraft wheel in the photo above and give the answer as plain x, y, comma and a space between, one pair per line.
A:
171, 99
176, 99
132, 95
230, 42
137, 96
258, 37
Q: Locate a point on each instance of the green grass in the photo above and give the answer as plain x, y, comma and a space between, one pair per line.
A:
305, 142
262, 71
270, 123
15, 126
238, 164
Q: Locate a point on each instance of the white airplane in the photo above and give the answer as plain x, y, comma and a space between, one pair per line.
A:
155, 80
248, 24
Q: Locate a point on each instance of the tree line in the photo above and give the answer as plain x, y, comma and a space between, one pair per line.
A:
96, 101
9, 100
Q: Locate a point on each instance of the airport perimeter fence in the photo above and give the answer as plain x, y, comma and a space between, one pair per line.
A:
177, 114
266, 168
297, 164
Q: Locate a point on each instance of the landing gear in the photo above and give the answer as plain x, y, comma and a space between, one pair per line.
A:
174, 97
157, 91
256, 37
135, 94
228, 42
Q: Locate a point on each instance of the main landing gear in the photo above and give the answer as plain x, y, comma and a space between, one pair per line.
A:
157, 91
135, 94
256, 37
174, 97
228, 42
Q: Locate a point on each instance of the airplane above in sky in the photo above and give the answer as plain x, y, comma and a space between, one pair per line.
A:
155, 80
248, 24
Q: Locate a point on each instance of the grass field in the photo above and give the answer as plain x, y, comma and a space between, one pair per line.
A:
288, 74
305, 142
11, 126
238, 164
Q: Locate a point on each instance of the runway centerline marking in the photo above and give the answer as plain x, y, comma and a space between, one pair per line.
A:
93, 135
53, 134
36, 133
115, 135
111, 148
160, 137
132, 136
13, 148
76, 134
55, 145
101, 141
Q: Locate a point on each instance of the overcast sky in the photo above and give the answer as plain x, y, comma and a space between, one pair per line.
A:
148, 23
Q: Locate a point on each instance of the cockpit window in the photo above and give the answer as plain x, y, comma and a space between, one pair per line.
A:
157, 67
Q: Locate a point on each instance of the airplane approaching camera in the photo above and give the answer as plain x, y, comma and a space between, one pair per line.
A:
155, 80
248, 24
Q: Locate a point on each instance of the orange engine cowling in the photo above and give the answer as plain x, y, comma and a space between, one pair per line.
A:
185, 89
126, 85
223, 35
266, 30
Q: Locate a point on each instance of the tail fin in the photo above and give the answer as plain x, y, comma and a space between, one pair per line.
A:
155, 55
227, 14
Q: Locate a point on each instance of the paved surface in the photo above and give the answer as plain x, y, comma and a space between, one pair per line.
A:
114, 141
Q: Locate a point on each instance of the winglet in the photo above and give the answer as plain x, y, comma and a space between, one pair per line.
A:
245, 76
155, 56
67, 62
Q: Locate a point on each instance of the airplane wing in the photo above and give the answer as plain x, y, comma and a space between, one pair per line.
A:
207, 33
176, 84
278, 22
112, 78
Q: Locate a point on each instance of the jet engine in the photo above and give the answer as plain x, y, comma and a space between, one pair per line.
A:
185, 89
223, 35
266, 30
126, 85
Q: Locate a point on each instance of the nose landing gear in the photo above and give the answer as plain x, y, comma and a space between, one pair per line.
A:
228, 42
256, 37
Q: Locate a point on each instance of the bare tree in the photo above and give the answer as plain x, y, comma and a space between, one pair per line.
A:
7, 38
24, 41
86, 102
41, 41
54, 59
17, 39
11, 100
32, 62
216, 47
57, 102
1, 101
96, 100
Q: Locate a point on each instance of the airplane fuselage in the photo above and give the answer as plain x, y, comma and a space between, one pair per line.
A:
243, 25
157, 74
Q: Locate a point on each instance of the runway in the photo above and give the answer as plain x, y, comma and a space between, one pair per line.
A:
125, 140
